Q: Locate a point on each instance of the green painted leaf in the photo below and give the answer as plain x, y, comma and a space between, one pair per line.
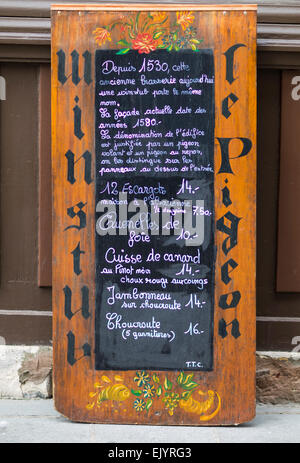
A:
190, 386
184, 379
188, 378
137, 20
148, 404
157, 35
180, 378
113, 26
167, 384
137, 393
186, 395
158, 391
169, 48
123, 43
155, 378
123, 51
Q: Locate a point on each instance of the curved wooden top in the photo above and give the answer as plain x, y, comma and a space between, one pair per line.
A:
150, 6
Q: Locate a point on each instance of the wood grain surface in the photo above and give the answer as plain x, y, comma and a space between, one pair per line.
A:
225, 395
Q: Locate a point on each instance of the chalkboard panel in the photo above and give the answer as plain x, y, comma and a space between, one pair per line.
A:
154, 210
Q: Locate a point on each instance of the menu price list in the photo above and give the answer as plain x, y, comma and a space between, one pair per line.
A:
154, 210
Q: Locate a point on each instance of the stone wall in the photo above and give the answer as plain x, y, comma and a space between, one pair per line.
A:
277, 378
26, 372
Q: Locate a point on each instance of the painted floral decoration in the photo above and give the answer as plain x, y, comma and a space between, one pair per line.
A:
101, 35
149, 391
185, 18
139, 405
154, 390
144, 43
147, 32
141, 378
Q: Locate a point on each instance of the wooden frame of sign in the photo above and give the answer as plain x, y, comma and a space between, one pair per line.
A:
154, 203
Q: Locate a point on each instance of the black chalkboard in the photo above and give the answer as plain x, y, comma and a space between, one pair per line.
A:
154, 210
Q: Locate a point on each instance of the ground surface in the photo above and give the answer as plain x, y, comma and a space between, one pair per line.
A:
36, 421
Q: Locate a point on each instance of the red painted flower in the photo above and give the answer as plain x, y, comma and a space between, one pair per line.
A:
144, 43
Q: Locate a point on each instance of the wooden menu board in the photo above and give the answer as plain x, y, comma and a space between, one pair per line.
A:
154, 202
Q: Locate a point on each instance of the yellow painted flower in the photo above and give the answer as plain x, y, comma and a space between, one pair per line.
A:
149, 391
158, 16
101, 35
171, 401
139, 405
141, 378
185, 18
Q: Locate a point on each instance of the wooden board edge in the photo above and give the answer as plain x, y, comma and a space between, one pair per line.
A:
151, 7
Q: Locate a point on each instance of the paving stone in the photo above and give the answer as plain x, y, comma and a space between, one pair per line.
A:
36, 421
